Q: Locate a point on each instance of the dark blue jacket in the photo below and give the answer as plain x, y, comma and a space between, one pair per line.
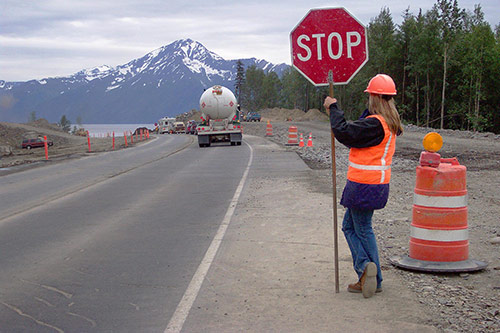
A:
362, 133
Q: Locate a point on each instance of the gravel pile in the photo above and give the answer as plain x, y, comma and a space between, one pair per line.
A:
456, 133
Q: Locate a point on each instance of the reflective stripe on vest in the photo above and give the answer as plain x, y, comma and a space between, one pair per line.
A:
372, 165
386, 150
369, 167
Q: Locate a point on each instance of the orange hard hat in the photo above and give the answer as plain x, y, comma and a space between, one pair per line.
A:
381, 84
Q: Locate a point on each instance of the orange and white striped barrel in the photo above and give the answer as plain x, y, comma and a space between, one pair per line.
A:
439, 235
292, 136
439, 230
269, 129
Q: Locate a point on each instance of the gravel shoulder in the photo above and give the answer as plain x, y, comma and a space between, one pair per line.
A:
456, 302
274, 270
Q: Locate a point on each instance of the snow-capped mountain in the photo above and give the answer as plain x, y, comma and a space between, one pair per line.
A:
165, 82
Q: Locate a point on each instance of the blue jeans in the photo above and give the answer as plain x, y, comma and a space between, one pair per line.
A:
357, 228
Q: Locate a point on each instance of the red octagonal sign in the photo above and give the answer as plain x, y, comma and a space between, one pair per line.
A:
329, 39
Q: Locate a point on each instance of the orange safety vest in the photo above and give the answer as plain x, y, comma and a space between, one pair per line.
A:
372, 165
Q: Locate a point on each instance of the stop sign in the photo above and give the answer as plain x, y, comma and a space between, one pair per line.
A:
329, 39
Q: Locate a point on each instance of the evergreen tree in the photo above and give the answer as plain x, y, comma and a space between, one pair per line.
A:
382, 42
293, 92
65, 124
251, 94
271, 88
240, 80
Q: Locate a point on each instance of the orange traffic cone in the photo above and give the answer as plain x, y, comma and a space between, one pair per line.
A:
310, 140
301, 141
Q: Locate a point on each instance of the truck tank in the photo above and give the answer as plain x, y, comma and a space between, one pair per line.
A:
218, 102
218, 106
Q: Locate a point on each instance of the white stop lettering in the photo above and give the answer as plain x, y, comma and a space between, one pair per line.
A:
334, 42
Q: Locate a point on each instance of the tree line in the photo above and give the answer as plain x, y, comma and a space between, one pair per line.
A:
445, 62
64, 123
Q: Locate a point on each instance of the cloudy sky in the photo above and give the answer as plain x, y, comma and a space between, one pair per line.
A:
46, 38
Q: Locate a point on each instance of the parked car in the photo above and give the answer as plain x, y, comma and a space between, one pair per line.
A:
35, 143
253, 116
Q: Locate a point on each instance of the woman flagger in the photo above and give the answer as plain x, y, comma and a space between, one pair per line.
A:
372, 141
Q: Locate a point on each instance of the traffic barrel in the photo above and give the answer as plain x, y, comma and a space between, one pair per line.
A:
269, 129
439, 238
310, 140
292, 136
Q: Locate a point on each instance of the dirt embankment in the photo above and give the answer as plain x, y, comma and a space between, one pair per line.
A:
65, 145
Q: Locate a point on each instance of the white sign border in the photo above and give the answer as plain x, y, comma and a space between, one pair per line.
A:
326, 75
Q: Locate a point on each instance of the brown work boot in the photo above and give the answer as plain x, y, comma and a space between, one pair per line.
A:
354, 287
368, 280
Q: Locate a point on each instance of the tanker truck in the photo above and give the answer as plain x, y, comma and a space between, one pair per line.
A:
219, 121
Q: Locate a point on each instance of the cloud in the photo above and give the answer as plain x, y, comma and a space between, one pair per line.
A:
42, 38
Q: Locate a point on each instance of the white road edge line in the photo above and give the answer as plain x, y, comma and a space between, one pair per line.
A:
182, 311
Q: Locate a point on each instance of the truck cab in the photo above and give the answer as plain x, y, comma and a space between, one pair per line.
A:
179, 127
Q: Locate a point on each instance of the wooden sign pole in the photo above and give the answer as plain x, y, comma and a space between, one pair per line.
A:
334, 183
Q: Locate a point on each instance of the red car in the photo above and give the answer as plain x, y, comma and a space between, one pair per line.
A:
34, 143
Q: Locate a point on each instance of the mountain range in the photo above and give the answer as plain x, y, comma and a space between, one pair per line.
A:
165, 82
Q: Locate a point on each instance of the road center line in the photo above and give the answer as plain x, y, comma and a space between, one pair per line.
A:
182, 311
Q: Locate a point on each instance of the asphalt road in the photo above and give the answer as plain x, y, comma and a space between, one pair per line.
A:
110, 242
